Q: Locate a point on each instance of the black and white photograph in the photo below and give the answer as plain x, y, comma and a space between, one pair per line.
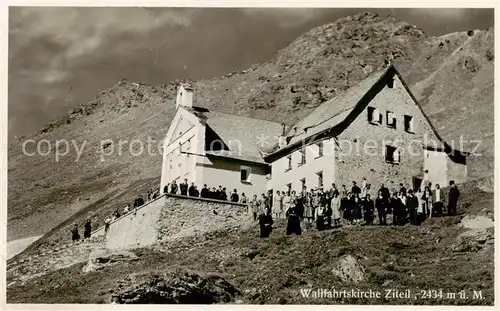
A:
250, 155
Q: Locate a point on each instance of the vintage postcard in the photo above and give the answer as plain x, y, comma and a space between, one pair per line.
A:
247, 156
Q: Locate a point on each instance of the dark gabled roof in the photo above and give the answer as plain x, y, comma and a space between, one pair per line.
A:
244, 137
334, 116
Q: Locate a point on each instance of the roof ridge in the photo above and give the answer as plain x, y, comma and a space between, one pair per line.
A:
240, 116
372, 75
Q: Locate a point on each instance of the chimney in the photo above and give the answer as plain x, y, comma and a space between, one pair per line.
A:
282, 141
184, 96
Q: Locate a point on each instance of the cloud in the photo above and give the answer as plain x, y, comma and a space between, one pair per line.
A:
60, 56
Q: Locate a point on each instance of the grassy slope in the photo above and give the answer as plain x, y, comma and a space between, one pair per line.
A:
44, 193
403, 257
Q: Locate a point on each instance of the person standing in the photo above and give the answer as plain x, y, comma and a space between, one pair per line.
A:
308, 209
126, 209
184, 187
428, 202
87, 229
368, 209
196, 192
385, 192
243, 199
253, 207
277, 204
287, 202
293, 224
173, 187
192, 190
364, 188
402, 190
75, 236
412, 205
320, 217
437, 200
223, 194
107, 224
335, 205
381, 205
219, 193
453, 196
355, 189
357, 206
165, 189
205, 192
334, 190
348, 211
395, 208
234, 196
421, 206
266, 225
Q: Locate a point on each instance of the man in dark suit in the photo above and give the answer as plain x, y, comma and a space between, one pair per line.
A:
184, 187
205, 192
355, 189
453, 196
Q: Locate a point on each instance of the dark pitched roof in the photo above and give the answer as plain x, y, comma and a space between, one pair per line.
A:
244, 137
333, 111
335, 115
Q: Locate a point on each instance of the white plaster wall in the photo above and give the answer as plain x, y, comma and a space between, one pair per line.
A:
436, 163
280, 176
218, 171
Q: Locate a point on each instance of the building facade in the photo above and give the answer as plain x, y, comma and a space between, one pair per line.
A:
375, 130
215, 148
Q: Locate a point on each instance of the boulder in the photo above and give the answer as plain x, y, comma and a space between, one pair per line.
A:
173, 287
348, 269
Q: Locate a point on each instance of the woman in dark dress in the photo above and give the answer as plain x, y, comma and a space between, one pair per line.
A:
357, 206
293, 225
266, 225
88, 228
348, 207
75, 236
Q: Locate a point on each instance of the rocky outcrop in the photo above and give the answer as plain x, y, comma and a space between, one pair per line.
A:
173, 287
348, 269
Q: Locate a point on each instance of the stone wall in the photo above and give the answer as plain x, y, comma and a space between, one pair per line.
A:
189, 216
171, 217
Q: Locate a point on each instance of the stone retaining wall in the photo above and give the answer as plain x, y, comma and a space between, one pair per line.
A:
171, 217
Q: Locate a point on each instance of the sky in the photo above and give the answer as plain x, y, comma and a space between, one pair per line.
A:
60, 57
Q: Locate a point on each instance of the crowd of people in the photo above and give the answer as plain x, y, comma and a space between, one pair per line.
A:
337, 207
220, 193
325, 209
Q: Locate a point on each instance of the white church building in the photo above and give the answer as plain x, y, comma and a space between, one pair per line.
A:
215, 148
328, 146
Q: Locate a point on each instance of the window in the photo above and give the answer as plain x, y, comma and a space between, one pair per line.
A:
391, 120
320, 149
320, 179
302, 156
409, 124
392, 154
390, 83
245, 174
289, 164
374, 116
302, 183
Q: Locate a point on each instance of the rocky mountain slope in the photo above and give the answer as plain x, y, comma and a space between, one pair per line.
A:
452, 75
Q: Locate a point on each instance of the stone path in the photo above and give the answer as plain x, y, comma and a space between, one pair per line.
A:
61, 256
